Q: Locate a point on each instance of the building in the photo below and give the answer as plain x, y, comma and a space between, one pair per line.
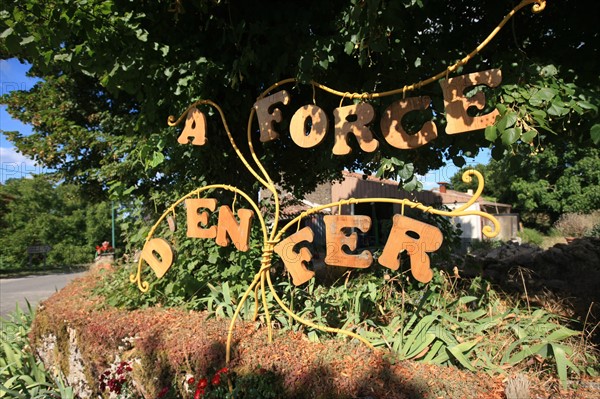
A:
355, 185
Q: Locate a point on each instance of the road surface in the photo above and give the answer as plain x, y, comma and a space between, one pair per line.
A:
34, 288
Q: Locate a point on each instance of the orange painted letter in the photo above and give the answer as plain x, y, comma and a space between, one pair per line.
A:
391, 124
228, 226
195, 219
362, 114
161, 263
423, 238
295, 261
267, 114
457, 104
195, 128
318, 126
337, 239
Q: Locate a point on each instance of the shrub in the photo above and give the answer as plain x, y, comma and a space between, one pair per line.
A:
575, 224
531, 236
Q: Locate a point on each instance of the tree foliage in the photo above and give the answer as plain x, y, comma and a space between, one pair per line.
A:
113, 71
39, 212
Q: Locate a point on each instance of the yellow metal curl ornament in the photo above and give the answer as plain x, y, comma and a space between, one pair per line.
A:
272, 236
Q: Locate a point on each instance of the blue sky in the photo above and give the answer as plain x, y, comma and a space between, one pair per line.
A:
12, 164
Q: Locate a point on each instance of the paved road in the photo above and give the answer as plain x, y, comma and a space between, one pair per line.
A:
34, 288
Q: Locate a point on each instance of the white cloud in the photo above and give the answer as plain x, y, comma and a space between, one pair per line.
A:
16, 165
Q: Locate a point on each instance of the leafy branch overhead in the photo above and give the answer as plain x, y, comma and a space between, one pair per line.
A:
112, 72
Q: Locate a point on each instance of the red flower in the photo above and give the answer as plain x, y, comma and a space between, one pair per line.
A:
163, 392
199, 393
191, 380
223, 370
216, 379
203, 383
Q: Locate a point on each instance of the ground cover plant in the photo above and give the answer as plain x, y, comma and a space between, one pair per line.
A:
22, 374
452, 321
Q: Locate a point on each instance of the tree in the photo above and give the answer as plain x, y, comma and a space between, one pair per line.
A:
39, 212
113, 71
560, 178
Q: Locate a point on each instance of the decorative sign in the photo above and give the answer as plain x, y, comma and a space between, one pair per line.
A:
416, 238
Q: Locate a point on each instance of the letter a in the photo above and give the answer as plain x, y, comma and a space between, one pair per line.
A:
195, 128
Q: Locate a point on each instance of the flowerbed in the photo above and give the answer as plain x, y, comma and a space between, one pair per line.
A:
76, 332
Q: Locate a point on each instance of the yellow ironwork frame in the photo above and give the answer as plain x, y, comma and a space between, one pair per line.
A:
262, 277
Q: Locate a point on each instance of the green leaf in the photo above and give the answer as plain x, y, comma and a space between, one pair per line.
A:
6, 33
507, 121
529, 135
508, 98
27, 40
561, 333
595, 133
142, 35
544, 94
213, 258
349, 48
556, 109
587, 105
509, 136
548, 70
411, 185
491, 133
458, 352
562, 363
157, 159
407, 171
501, 108
63, 57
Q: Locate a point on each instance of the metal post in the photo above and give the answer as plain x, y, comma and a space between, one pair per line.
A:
112, 214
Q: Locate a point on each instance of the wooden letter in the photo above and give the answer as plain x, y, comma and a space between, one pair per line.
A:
336, 240
195, 219
429, 239
295, 261
164, 250
228, 226
318, 128
195, 128
363, 114
457, 104
267, 114
391, 124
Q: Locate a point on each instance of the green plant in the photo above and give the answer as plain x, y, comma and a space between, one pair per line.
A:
22, 374
484, 245
594, 231
531, 236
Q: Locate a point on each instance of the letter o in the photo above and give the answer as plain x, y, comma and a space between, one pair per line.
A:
318, 127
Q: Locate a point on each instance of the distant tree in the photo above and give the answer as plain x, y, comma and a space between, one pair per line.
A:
560, 178
40, 212
456, 182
